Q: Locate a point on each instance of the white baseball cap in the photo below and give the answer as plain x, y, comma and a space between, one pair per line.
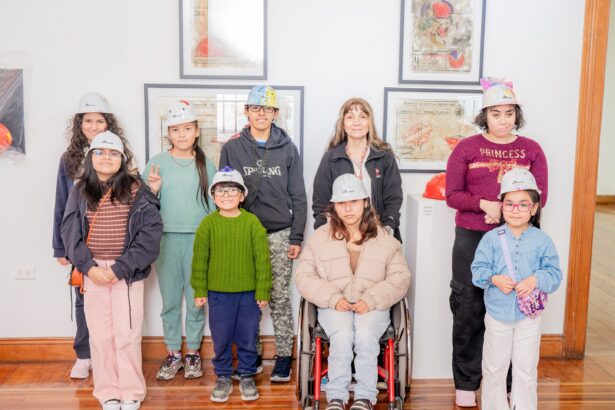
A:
518, 179
180, 112
93, 102
348, 187
228, 174
107, 140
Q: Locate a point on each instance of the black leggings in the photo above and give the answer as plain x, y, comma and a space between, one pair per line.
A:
468, 309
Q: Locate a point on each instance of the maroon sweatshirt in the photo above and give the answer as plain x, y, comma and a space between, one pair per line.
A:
475, 169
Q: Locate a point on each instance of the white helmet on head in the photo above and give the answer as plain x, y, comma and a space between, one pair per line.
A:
107, 140
348, 187
518, 179
228, 174
180, 112
93, 102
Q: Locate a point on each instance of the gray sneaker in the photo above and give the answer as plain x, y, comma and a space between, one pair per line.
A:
171, 365
247, 387
222, 390
259, 368
192, 366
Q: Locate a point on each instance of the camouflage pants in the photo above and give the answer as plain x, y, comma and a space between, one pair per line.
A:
281, 310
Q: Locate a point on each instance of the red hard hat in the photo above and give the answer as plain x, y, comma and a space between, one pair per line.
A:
435, 187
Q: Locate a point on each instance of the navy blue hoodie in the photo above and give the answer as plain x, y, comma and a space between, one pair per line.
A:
277, 197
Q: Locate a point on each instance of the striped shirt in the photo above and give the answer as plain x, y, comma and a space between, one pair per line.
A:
108, 233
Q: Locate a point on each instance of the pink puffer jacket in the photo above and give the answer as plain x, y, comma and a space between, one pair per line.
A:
324, 275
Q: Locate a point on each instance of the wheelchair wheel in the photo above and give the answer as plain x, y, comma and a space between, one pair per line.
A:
401, 319
304, 352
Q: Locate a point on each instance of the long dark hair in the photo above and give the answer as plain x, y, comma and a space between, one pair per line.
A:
368, 225
535, 197
93, 188
201, 167
79, 143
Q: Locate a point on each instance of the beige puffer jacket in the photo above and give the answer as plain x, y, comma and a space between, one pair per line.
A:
324, 275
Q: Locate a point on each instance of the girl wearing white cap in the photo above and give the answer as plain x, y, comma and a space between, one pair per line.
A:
354, 271
517, 266
181, 178
473, 175
92, 117
111, 230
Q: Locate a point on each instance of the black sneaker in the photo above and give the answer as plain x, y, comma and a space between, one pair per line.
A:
259, 368
281, 370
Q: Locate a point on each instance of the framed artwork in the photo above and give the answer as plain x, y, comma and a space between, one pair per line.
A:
223, 39
12, 131
441, 41
220, 112
424, 126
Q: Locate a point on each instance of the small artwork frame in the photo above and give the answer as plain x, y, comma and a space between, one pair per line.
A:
441, 41
12, 117
423, 126
223, 39
220, 112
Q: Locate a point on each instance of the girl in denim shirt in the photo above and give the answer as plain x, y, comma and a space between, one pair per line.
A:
509, 333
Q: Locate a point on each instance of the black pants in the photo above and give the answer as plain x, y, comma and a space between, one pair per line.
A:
82, 338
468, 307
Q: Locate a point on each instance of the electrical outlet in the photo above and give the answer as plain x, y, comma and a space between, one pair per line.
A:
25, 274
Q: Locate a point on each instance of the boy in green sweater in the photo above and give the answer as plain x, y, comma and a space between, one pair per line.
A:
231, 269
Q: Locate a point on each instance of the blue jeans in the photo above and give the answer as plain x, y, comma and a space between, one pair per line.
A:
233, 317
350, 332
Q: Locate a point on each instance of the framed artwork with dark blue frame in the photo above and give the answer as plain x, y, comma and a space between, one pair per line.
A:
223, 39
220, 112
441, 41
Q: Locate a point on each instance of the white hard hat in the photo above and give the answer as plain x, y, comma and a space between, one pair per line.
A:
107, 140
518, 179
348, 187
228, 174
180, 112
93, 102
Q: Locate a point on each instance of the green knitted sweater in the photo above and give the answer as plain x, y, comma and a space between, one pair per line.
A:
231, 255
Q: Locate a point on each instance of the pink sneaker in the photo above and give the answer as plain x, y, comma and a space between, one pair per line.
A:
81, 369
465, 398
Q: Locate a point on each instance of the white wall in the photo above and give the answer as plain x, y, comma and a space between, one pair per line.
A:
336, 49
606, 165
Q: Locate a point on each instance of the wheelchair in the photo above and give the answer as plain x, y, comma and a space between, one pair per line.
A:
394, 360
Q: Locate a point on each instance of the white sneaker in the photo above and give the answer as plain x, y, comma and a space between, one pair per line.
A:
81, 369
130, 405
113, 404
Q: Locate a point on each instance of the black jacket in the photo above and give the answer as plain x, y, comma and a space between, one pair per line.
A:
143, 234
386, 195
280, 201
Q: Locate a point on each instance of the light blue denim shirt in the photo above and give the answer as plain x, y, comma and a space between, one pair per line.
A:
532, 254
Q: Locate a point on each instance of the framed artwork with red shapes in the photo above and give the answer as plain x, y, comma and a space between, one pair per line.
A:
423, 126
441, 41
223, 39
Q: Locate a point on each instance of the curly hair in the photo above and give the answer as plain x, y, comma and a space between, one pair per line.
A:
78, 144
374, 141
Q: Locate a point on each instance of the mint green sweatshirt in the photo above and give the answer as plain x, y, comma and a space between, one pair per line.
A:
231, 255
180, 200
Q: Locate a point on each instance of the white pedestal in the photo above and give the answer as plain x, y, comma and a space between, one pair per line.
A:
430, 232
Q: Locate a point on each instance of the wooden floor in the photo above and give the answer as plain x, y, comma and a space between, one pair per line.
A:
563, 384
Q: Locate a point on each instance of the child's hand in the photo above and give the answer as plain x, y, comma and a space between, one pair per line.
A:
198, 302
342, 305
492, 209
62, 261
503, 282
98, 276
154, 180
293, 251
111, 278
360, 307
526, 286
261, 303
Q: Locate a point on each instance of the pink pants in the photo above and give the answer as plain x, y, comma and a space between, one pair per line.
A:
115, 347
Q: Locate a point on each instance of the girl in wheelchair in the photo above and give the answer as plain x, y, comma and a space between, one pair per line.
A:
353, 271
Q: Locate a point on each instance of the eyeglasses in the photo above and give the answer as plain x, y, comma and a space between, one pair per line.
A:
257, 108
524, 206
232, 192
109, 153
